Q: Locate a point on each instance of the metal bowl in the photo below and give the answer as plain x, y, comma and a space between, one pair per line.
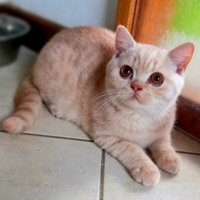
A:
12, 30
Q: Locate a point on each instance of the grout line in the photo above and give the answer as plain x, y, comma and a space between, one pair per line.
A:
57, 137
183, 152
102, 170
50, 136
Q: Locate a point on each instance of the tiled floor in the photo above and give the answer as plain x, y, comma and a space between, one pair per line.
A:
55, 160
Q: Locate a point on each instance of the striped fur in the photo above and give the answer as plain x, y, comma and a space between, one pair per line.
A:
27, 103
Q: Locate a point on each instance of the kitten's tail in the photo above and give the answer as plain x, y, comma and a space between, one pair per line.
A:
28, 103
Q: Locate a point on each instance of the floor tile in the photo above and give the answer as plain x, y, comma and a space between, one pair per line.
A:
11, 77
34, 167
182, 142
47, 124
12, 74
5, 111
119, 185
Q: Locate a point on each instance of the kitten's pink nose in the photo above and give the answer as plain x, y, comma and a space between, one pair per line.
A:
136, 87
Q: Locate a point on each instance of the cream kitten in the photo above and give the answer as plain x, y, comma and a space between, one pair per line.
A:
123, 94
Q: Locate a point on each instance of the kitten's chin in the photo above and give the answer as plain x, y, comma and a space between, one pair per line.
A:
130, 103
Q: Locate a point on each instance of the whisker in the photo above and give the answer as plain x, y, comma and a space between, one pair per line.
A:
104, 94
114, 100
107, 102
109, 93
117, 99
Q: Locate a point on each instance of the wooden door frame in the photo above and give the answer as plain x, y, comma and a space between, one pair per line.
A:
139, 15
128, 14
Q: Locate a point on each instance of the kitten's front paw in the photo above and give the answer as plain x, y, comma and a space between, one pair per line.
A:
56, 111
169, 162
147, 175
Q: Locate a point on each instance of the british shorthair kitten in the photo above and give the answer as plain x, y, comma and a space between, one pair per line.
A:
123, 94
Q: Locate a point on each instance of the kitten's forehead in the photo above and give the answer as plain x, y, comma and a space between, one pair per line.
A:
150, 58
146, 58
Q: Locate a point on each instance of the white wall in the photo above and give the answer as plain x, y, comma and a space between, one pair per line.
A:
73, 12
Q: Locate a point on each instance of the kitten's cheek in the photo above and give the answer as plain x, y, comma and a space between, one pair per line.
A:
113, 82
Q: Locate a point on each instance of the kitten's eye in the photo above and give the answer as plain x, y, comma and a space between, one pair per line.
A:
126, 71
156, 79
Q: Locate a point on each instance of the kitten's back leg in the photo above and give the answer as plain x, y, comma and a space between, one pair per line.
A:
28, 103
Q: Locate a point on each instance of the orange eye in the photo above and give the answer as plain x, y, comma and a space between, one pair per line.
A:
156, 79
126, 71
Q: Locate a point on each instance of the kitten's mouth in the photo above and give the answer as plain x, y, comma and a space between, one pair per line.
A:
134, 97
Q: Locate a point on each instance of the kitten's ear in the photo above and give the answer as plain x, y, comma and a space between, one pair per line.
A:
181, 56
123, 40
